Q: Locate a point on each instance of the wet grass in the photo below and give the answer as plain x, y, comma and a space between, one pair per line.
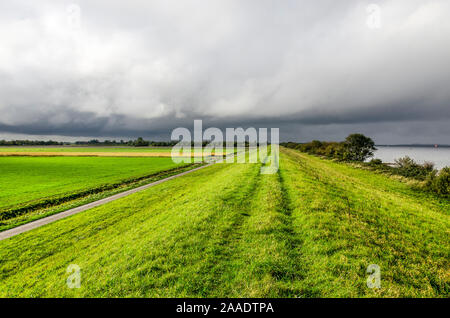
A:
228, 231
26, 180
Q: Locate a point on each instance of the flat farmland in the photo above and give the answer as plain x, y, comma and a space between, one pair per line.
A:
29, 183
311, 230
93, 152
86, 149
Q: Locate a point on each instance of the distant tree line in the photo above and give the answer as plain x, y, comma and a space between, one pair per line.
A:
139, 142
359, 148
356, 147
30, 143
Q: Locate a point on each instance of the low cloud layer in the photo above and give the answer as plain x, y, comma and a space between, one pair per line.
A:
315, 69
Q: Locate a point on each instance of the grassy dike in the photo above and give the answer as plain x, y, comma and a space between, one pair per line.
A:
227, 231
349, 218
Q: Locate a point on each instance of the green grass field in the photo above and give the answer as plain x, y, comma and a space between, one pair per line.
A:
85, 149
26, 179
228, 231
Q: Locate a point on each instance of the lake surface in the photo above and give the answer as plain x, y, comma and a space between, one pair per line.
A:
439, 156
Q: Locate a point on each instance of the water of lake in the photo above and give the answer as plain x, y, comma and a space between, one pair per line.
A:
439, 156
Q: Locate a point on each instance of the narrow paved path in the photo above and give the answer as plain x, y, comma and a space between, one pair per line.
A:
38, 223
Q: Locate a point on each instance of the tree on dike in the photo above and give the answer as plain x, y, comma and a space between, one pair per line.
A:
359, 147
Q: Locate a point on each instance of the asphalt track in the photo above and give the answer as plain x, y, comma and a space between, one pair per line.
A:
41, 222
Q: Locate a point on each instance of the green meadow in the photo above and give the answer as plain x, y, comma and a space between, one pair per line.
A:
24, 179
311, 230
36, 187
85, 149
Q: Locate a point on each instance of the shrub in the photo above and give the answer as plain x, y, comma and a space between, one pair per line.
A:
428, 166
359, 147
376, 162
356, 147
140, 142
407, 167
439, 182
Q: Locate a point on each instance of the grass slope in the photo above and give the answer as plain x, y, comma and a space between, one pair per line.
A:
348, 218
46, 207
25, 179
309, 231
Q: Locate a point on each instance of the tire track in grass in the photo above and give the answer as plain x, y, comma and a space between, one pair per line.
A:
332, 229
264, 261
319, 223
223, 250
293, 240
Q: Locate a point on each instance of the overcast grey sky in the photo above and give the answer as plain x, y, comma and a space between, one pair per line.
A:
316, 69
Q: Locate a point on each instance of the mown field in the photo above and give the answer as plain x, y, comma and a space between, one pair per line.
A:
85, 149
70, 151
310, 230
35, 187
24, 179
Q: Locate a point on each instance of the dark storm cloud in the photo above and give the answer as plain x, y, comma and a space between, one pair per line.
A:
315, 69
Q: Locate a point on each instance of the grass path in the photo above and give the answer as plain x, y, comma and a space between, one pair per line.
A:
227, 231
